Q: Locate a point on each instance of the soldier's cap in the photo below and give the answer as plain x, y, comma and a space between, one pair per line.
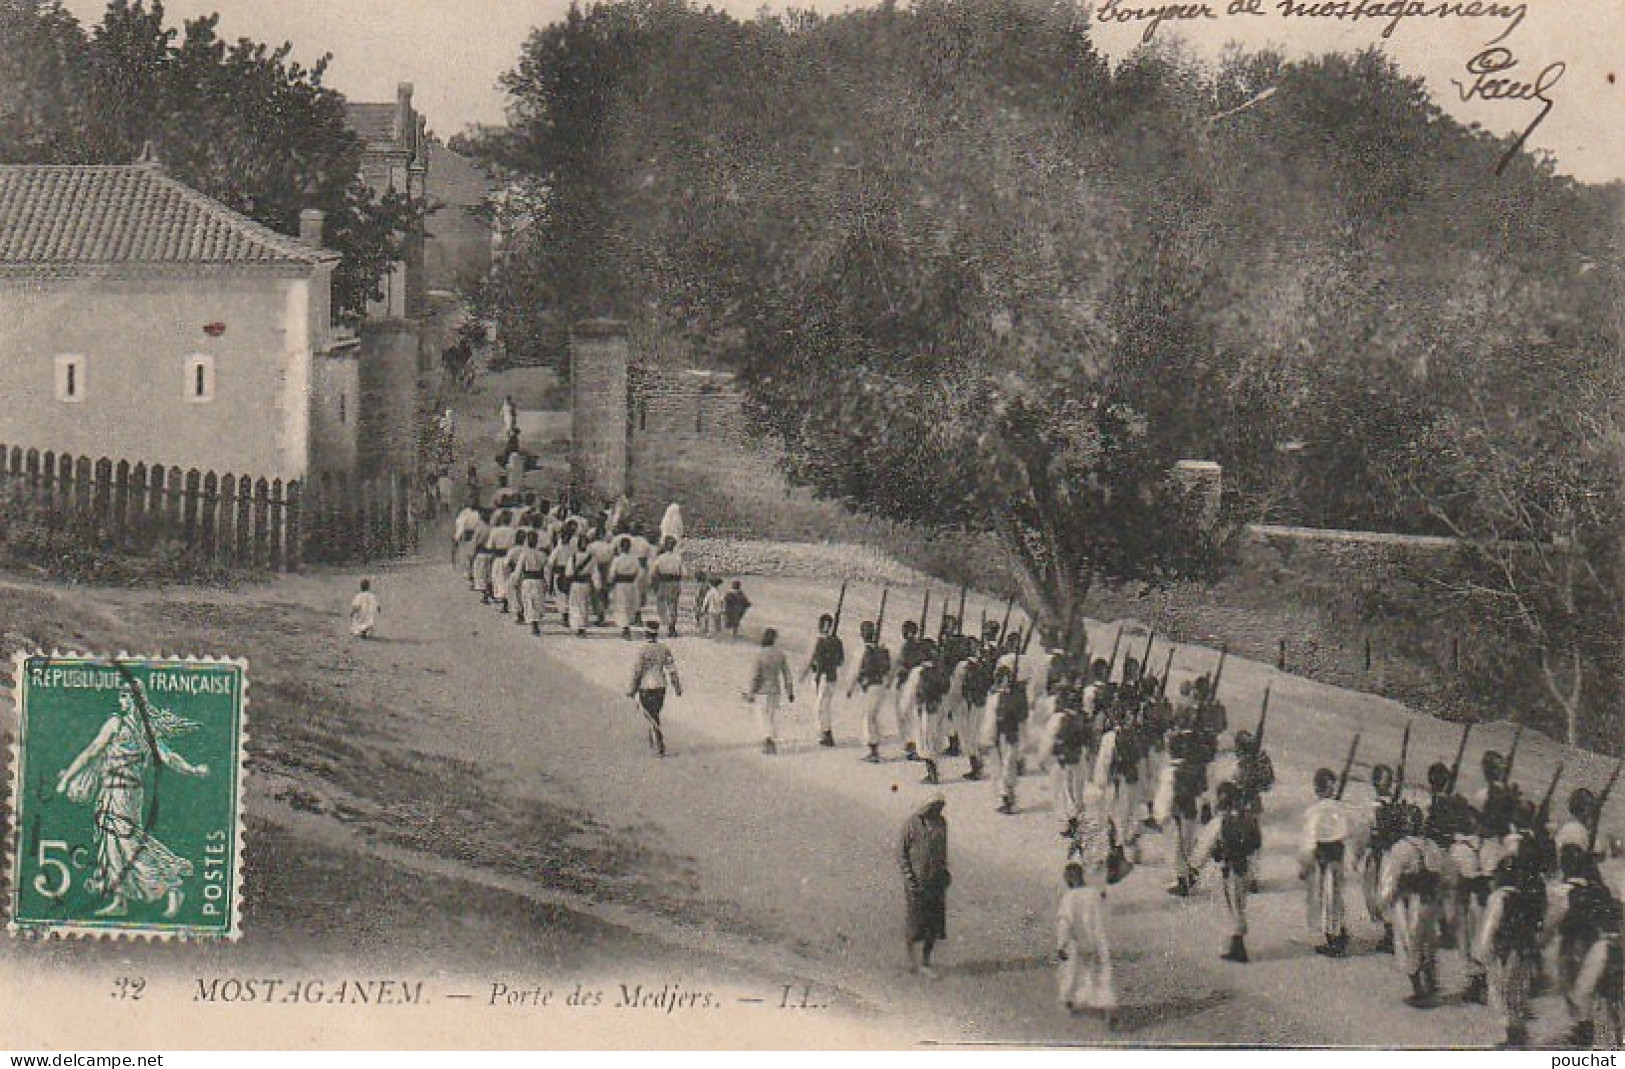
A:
1325, 779
826, 620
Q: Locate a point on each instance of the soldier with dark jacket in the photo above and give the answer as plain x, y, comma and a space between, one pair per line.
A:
1235, 848
909, 656
873, 677
1587, 920
1190, 750
1010, 713
828, 655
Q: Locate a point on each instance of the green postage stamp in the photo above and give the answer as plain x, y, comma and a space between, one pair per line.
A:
127, 796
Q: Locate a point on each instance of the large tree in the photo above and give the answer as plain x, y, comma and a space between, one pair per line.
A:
240, 121
973, 277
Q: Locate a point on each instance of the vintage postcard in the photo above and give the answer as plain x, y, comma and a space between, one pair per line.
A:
950, 524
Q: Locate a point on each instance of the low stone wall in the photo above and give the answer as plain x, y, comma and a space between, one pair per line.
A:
828, 561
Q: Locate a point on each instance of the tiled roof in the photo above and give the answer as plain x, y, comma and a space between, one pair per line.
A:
373, 123
84, 217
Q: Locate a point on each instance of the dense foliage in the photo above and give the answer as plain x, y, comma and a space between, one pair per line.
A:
237, 120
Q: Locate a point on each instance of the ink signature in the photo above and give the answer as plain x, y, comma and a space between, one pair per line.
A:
1490, 82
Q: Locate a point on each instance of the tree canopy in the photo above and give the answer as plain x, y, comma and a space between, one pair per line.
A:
974, 276
237, 120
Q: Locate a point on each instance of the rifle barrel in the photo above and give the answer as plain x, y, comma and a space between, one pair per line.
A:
880, 617
1348, 766
1461, 751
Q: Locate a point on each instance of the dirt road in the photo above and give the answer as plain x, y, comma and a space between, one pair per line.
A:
779, 870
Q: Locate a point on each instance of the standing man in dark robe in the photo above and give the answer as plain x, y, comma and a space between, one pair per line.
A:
922, 855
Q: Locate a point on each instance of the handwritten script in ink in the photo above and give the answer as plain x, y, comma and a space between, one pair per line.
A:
1493, 75
1490, 80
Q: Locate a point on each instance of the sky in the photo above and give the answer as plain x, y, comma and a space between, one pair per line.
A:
454, 51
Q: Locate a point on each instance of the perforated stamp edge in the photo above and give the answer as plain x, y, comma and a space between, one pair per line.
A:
11, 859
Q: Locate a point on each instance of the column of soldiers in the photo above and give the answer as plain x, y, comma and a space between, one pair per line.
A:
529, 558
1485, 876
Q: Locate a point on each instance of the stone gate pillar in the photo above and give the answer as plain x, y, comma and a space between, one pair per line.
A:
600, 411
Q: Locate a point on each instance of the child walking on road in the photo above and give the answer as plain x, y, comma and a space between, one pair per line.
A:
364, 609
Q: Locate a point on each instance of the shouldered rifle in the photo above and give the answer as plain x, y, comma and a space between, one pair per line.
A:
1399, 769
1461, 751
1167, 671
1512, 756
1218, 674
1263, 718
1602, 800
1004, 625
880, 617
964, 589
981, 632
1348, 766
925, 615
1543, 814
1111, 665
1028, 639
1145, 657
840, 603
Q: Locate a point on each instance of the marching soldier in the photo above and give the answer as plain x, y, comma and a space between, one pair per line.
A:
1410, 887
909, 656
828, 655
929, 682
1066, 741
1235, 848
653, 669
1009, 700
1190, 751
976, 684
1587, 920
1473, 855
666, 582
1510, 939
770, 681
874, 670
1386, 827
625, 576
504, 533
532, 565
1321, 858
581, 576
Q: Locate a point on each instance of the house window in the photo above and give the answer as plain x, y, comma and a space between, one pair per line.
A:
70, 378
200, 378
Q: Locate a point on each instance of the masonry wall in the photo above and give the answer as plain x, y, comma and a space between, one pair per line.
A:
600, 404
135, 339
388, 389
335, 400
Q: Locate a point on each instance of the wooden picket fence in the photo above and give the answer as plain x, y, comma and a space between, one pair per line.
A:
242, 520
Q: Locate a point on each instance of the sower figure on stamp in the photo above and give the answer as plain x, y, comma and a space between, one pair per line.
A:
824, 666
874, 670
111, 773
653, 669
769, 681
922, 855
